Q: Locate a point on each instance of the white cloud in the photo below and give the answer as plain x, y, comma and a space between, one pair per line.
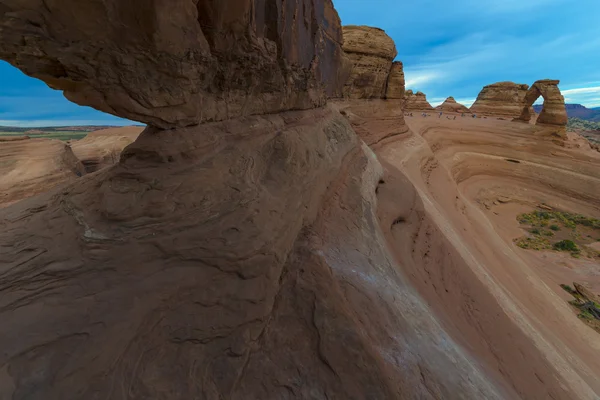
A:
587, 96
415, 79
568, 92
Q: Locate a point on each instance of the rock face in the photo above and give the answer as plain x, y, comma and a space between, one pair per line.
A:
450, 105
103, 148
182, 62
396, 82
32, 166
371, 52
553, 111
416, 101
503, 99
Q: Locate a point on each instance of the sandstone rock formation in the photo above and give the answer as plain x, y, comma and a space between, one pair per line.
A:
371, 52
261, 257
192, 267
450, 105
416, 101
553, 111
396, 82
103, 148
32, 166
502, 99
178, 63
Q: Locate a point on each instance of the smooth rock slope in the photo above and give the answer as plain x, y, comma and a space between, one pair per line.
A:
32, 166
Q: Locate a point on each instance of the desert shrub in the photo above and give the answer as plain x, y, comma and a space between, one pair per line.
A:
555, 227
568, 288
566, 245
535, 231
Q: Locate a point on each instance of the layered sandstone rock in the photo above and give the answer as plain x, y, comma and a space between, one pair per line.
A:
553, 111
396, 83
192, 267
178, 63
32, 166
371, 52
503, 99
416, 101
103, 148
450, 105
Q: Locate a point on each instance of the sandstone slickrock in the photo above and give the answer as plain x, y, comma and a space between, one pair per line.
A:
503, 99
553, 111
371, 52
416, 101
32, 166
246, 258
212, 261
178, 63
103, 148
450, 105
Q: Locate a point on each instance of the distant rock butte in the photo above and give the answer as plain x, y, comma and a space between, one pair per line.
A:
553, 111
450, 105
179, 63
416, 101
371, 52
502, 99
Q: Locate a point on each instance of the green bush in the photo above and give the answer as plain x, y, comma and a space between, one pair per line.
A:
555, 227
566, 245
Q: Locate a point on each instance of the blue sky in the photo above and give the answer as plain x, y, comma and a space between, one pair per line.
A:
448, 49
454, 48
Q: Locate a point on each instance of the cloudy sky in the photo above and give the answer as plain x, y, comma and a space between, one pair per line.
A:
448, 49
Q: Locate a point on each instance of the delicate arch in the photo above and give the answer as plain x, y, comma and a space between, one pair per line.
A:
553, 111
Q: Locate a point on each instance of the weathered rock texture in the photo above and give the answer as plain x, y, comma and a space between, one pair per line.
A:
178, 63
416, 101
396, 82
32, 166
450, 105
553, 111
375, 120
503, 99
371, 52
100, 149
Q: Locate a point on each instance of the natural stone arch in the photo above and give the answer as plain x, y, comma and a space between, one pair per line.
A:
553, 111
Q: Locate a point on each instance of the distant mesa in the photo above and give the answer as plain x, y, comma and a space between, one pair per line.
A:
416, 101
450, 105
577, 111
502, 99
371, 52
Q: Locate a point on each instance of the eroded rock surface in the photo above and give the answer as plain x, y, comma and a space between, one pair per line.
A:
450, 105
371, 52
32, 166
503, 99
100, 149
178, 63
553, 111
396, 83
416, 101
